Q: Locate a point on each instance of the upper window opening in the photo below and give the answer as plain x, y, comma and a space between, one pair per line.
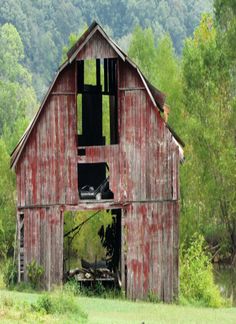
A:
97, 117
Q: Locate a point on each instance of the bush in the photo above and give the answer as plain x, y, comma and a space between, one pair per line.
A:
152, 297
58, 302
7, 302
96, 290
196, 275
44, 304
35, 273
10, 273
73, 287
24, 287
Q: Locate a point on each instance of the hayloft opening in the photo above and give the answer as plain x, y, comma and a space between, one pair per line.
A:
93, 181
97, 116
92, 247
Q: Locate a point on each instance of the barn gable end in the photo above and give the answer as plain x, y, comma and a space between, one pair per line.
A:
55, 159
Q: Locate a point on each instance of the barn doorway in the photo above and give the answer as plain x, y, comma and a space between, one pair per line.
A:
92, 247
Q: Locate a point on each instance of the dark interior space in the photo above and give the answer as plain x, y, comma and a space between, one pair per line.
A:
86, 269
99, 99
93, 181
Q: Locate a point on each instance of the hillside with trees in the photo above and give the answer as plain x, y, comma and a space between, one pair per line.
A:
44, 26
188, 55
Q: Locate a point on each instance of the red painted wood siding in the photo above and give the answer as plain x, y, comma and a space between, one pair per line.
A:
96, 47
43, 242
144, 172
144, 165
47, 169
151, 250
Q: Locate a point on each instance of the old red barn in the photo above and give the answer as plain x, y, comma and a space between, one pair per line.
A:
64, 149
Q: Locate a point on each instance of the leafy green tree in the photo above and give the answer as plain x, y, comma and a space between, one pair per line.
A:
86, 243
142, 50
161, 66
17, 97
196, 275
17, 103
45, 25
208, 175
225, 14
7, 203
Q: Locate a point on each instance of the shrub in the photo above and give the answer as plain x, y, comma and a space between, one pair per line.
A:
44, 304
73, 287
35, 273
24, 287
7, 301
58, 302
96, 290
196, 275
152, 297
10, 273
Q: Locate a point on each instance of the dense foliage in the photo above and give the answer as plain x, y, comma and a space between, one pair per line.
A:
209, 178
197, 74
44, 26
196, 276
17, 104
200, 92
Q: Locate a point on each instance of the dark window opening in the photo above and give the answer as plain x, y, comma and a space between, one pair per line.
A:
93, 181
81, 152
97, 117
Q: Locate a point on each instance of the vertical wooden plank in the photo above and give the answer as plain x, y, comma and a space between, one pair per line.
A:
42, 243
52, 223
48, 246
57, 152
38, 158
53, 150
49, 156
26, 230
176, 250
143, 147
148, 167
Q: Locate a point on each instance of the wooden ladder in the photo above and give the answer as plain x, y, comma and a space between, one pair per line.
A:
21, 248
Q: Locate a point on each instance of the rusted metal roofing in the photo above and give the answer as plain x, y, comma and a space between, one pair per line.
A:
156, 96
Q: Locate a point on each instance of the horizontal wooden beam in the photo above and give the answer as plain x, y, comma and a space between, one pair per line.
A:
63, 93
97, 204
131, 89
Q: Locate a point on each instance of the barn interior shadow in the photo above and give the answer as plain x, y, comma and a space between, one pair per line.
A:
92, 248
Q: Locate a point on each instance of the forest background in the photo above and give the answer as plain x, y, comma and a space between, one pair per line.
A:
185, 48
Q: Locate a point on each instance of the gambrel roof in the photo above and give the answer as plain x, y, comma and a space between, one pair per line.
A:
156, 96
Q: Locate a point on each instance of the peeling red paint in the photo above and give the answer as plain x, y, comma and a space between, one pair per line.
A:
144, 173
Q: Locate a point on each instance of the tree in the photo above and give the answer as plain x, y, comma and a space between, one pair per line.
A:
45, 25
7, 203
208, 176
17, 103
17, 97
142, 50
225, 14
161, 66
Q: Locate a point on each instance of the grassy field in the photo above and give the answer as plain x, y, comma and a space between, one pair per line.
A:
109, 311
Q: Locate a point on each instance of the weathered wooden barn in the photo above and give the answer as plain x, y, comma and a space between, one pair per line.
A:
55, 160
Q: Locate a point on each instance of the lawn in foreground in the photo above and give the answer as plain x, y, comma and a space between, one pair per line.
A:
119, 311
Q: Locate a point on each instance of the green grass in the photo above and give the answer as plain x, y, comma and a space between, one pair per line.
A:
110, 311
